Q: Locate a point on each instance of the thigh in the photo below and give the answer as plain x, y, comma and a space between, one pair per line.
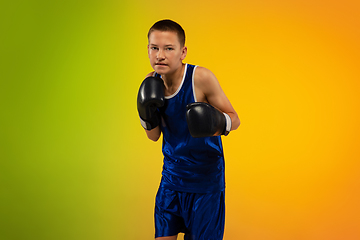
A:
168, 222
207, 217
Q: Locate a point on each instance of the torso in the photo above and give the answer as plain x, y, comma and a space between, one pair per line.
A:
190, 164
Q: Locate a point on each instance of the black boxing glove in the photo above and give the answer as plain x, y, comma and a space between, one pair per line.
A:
150, 98
205, 121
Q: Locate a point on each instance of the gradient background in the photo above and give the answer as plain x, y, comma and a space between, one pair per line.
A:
76, 164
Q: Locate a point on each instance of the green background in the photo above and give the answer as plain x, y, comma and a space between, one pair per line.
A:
75, 163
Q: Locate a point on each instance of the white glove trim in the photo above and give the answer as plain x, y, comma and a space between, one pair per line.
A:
228, 124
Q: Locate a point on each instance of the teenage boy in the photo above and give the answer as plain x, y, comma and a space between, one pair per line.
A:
187, 105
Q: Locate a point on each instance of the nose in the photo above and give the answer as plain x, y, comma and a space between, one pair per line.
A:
160, 55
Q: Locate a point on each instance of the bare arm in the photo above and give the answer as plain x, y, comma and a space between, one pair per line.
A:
208, 89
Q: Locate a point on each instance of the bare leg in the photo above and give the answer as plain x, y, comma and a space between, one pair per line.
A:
167, 238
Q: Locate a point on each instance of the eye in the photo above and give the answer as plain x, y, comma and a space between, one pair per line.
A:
154, 48
169, 48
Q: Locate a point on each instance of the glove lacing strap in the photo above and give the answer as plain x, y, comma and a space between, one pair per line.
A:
144, 124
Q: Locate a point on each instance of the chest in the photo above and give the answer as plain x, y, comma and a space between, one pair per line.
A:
171, 90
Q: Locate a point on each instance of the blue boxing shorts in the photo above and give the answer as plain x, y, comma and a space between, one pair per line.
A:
201, 216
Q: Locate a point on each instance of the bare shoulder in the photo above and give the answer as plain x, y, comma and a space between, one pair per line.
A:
205, 79
203, 74
150, 74
206, 84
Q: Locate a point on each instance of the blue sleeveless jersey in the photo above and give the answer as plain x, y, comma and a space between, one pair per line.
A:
190, 164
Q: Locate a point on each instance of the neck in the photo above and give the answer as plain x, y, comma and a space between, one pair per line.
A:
174, 78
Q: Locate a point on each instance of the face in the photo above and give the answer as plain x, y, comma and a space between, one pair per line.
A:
165, 52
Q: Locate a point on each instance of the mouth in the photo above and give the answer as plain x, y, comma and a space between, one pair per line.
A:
160, 64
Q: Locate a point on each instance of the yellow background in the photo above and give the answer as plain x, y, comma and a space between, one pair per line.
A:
76, 164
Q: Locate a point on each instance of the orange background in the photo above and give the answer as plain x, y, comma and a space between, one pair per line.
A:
76, 164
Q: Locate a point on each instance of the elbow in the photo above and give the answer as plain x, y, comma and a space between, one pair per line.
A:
153, 134
154, 138
235, 123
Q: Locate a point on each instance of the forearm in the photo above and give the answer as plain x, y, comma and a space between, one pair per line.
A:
153, 134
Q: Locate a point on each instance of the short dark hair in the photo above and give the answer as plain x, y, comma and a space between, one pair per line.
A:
171, 26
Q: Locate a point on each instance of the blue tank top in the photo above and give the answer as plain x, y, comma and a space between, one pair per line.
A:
190, 164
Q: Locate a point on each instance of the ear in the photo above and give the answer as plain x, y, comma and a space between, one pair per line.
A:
148, 50
183, 53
